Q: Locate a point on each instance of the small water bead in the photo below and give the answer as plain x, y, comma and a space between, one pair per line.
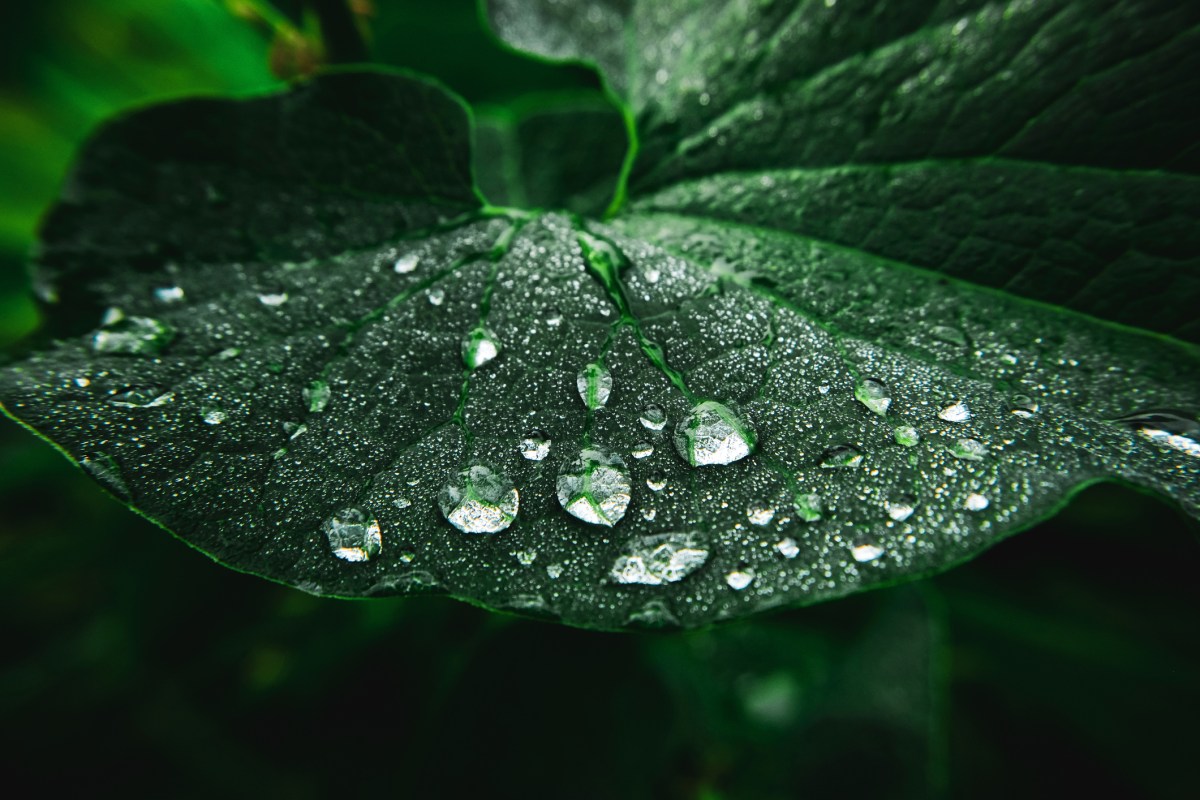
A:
479, 499
867, 551
142, 397
642, 450
535, 445
739, 579
317, 395
653, 418
969, 450
212, 415
842, 456
353, 536
479, 347
787, 547
712, 434
595, 487
436, 296
131, 336
976, 502
955, 412
1022, 405
657, 481
1168, 428
594, 384
874, 394
902, 507
406, 263
169, 294
273, 299
906, 435
808, 507
660, 558
759, 513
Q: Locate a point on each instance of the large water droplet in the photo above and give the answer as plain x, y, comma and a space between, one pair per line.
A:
436, 296
906, 435
866, 551
969, 450
661, 558
535, 445
902, 507
1168, 428
808, 507
657, 481
787, 547
317, 396
642, 450
552, 316
479, 347
712, 434
595, 487
525, 557
760, 513
949, 335
594, 383
1022, 405
212, 415
273, 299
739, 579
142, 397
955, 412
653, 418
132, 336
104, 469
976, 502
406, 263
479, 499
842, 456
874, 394
353, 536
168, 295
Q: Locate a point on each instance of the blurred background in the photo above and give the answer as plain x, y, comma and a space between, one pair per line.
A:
1061, 658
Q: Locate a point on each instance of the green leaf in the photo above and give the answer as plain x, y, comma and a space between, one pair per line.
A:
332, 366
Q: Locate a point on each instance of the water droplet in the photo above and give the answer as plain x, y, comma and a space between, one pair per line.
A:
842, 456
212, 415
595, 487
406, 263
653, 614
949, 335
142, 397
657, 481
479, 347
976, 502
824, 389
1169, 428
274, 299
352, 536
555, 571
317, 396
294, 429
407, 556
553, 317
436, 296
969, 450
787, 547
131, 336
642, 450
808, 507
83, 383
760, 513
526, 557
594, 383
229, 352
653, 275
739, 579
104, 469
867, 551
660, 558
402, 502
479, 499
535, 445
874, 394
712, 434
902, 507
168, 294
1022, 405
653, 418
955, 412
649, 513
906, 435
